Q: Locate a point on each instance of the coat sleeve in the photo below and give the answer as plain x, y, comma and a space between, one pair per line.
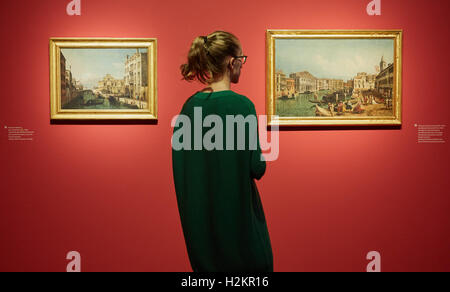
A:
257, 161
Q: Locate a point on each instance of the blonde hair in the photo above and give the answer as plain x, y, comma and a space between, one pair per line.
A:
208, 56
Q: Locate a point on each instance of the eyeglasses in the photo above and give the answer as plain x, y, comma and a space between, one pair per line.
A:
244, 59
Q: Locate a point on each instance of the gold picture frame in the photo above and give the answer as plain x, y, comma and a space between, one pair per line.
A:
287, 98
134, 97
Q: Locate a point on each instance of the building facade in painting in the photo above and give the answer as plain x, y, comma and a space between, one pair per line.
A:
364, 81
63, 79
384, 82
110, 85
69, 86
349, 84
290, 87
329, 84
280, 82
136, 76
304, 82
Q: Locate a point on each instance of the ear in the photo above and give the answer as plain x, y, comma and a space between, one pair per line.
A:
231, 62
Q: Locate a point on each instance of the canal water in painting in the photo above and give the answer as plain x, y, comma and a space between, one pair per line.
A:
86, 99
302, 105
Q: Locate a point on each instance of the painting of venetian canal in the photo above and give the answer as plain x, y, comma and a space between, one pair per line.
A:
104, 81
335, 80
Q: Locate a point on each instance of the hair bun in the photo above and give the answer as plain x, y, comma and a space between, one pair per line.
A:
207, 63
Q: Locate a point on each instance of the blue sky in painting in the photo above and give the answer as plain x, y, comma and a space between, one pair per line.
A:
331, 58
91, 65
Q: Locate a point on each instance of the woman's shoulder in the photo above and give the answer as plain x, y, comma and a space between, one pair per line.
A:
242, 97
242, 100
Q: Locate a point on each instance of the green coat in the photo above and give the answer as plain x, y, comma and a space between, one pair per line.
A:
220, 209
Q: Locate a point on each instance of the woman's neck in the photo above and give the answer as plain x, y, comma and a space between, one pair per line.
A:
221, 85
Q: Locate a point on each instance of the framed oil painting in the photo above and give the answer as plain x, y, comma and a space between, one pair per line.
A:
334, 77
103, 79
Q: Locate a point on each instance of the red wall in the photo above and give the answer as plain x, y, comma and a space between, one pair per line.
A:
107, 191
